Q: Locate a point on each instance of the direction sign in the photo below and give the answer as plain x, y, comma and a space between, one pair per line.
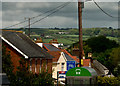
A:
70, 64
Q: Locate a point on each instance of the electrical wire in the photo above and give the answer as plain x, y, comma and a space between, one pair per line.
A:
37, 16
47, 15
44, 17
53, 12
15, 24
49, 11
103, 10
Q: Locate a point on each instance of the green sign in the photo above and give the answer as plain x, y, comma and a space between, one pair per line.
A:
78, 71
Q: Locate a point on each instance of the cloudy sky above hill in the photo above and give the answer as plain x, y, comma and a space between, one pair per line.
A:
67, 17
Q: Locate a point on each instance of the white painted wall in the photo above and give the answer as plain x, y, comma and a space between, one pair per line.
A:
61, 60
40, 44
57, 67
57, 45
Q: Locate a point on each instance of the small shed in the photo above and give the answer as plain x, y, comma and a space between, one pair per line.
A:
81, 76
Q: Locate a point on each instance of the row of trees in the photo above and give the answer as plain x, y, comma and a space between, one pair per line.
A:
104, 50
101, 31
23, 77
96, 31
107, 52
73, 31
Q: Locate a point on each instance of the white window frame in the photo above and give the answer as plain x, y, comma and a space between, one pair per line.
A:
30, 64
35, 65
46, 63
62, 66
40, 64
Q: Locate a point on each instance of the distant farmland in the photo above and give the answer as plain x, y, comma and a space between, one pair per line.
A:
72, 34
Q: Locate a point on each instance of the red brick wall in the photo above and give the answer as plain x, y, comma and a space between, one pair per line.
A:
86, 62
38, 66
75, 52
33, 65
49, 65
44, 64
15, 58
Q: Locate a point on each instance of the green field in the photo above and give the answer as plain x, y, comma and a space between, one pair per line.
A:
72, 35
66, 39
113, 38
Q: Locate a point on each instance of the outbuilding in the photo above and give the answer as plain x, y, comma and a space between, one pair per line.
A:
81, 76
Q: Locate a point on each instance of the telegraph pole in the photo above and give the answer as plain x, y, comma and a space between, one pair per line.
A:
28, 26
80, 31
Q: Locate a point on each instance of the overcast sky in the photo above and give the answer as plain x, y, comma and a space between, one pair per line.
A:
67, 17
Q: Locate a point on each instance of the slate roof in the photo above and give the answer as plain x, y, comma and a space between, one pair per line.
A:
73, 57
25, 44
68, 57
50, 47
99, 68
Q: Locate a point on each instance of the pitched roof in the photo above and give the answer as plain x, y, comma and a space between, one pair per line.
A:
73, 57
50, 47
55, 54
99, 67
68, 57
25, 44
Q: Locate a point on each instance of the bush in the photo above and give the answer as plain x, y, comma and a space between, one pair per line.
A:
108, 81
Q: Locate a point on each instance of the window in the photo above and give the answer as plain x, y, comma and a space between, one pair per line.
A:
40, 64
46, 63
62, 66
35, 65
30, 64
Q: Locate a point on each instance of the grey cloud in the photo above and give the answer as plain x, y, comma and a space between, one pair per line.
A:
16, 11
96, 14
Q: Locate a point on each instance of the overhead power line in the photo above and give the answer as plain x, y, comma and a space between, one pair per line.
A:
15, 24
36, 16
47, 15
104, 11
49, 10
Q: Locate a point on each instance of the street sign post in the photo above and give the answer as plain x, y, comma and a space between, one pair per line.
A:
61, 74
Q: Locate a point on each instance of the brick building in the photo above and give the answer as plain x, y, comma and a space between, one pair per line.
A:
20, 45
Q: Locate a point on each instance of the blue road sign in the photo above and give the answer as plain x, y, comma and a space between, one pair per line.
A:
70, 64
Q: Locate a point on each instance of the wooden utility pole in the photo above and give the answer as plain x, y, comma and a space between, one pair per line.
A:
80, 31
28, 25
